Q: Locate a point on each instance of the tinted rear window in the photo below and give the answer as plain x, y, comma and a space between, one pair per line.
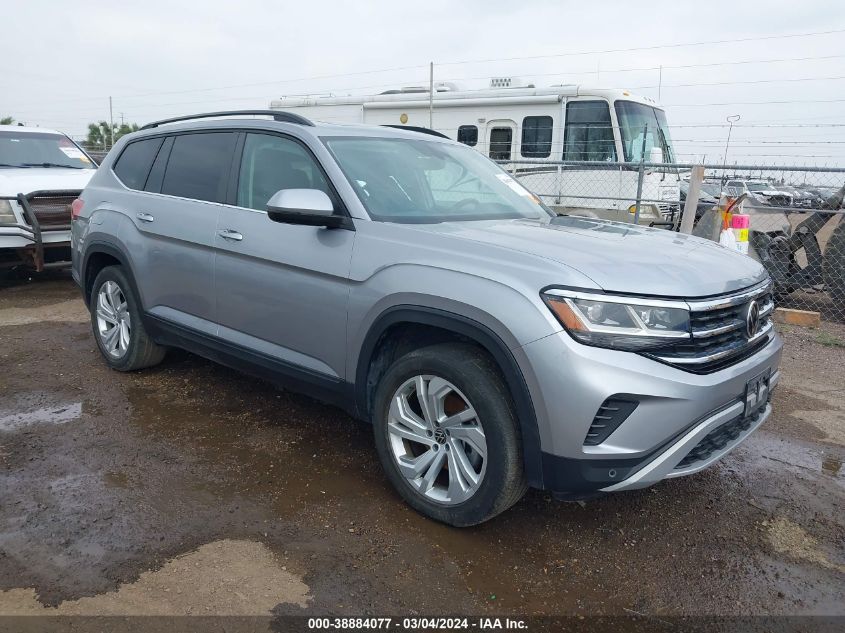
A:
199, 166
134, 163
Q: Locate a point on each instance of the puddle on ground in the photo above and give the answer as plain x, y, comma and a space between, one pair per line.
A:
45, 415
266, 441
228, 577
793, 453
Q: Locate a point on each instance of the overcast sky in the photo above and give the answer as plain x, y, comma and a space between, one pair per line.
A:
62, 60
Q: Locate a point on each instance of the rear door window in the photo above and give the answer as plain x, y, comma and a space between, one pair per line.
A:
133, 165
199, 166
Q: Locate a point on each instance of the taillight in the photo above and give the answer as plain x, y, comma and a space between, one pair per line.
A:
76, 208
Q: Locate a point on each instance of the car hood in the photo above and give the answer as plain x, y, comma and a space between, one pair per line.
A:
26, 180
771, 192
619, 257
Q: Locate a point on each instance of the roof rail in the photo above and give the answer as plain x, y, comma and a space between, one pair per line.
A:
278, 115
417, 128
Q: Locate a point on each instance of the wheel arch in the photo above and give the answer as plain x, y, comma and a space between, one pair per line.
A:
436, 325
97, 256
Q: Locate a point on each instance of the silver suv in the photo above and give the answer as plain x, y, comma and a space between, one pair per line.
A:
408, 279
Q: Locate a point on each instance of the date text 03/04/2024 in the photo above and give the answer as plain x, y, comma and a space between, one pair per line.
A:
416, 623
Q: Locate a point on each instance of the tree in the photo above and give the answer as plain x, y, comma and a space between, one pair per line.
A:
7, 120
100, 137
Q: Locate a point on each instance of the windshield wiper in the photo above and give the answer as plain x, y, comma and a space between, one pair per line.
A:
49, 165
8, 165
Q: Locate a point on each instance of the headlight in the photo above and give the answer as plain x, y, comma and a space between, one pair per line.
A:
619, 322
7, 216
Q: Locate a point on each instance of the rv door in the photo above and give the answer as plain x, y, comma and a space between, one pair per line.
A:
501, 136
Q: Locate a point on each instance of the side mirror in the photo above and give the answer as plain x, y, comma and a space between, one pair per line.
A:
310, 207
655, 155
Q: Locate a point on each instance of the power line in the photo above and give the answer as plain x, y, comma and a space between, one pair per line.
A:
555, 55
653, 68
733, 103
737, 83
646, 48
480, 90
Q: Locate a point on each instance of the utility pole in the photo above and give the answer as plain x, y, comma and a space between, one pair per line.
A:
659, 82
431, 96
111, 124
730, 119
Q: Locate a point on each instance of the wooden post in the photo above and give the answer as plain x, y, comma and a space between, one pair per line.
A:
688, 216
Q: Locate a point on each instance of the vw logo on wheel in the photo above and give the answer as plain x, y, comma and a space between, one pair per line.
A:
752, 319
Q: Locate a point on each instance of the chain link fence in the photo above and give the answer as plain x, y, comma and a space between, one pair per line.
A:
795, 215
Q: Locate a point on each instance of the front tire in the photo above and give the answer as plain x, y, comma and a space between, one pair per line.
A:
447, 436
116, 321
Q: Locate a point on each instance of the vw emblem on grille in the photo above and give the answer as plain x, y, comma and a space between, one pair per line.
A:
752, 319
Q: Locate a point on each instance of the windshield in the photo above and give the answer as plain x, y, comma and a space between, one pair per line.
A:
758, 185
419, 181
713, 189
636, 119
37, 149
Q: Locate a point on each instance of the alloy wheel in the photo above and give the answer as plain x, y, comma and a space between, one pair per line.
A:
114, 324
437, 439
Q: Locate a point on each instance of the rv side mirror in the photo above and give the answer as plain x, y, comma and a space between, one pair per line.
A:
310, 207
655, 155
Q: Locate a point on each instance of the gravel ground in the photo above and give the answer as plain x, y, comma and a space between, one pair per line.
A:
191, 488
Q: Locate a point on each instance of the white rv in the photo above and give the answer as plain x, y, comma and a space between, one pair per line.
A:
530, 129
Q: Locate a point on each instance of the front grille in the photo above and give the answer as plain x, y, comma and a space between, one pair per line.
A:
52, 211
719, 336
717, 439
612, 412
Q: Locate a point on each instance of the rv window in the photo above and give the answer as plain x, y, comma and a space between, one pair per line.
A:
468, 135
500, 143
588, 133
537, 136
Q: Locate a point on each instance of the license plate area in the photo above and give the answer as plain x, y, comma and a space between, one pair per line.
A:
757, 393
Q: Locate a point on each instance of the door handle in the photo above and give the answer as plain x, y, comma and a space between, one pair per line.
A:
145, 217
229, 234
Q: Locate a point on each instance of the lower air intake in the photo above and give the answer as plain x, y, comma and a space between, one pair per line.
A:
612, 412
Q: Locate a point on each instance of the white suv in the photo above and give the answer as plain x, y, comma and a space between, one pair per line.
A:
41, 173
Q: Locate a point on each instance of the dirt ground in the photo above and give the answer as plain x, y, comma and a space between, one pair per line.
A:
193, 489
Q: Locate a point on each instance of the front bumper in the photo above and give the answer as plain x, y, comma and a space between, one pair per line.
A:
676, 410
27, 240
666, 464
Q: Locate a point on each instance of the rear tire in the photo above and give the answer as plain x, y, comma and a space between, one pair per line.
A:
116, 322
464, 443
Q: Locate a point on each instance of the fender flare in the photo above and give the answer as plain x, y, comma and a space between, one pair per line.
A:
106, 248
487, 339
